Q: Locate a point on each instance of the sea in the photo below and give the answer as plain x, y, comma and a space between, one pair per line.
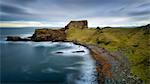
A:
40, 63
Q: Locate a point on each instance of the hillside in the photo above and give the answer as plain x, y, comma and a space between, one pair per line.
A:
133, 42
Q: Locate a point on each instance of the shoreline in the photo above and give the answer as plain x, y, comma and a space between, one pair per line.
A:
111, 68
106, 65
103, 68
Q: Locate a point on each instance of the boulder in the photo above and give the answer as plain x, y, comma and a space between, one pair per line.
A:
77, 24
49, 35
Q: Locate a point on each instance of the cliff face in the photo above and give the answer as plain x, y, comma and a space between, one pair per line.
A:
77, 24
59, 34
48, 35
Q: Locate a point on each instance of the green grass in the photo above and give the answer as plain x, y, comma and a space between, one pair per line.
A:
132, 41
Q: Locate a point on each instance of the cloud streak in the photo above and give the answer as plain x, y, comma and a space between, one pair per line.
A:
97, 12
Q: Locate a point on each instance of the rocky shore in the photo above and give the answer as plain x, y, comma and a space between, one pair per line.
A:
112, 68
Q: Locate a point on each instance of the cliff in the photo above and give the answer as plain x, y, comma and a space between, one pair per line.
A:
48, 35
132, 65
51, 34
77, 24
59, 34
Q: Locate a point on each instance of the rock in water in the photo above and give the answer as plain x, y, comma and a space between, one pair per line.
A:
13, 38
77, 24
81, 51
59, 52
49, 35
17, 38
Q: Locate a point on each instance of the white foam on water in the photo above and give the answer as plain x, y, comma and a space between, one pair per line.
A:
88, 68
15, 42
78, 63
3, 42
71, 68
50, 70
72, 51
44, 44
25, 35
88, 72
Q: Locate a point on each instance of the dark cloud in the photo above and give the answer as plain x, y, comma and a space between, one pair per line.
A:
8, 17
62, 10
139, 13
18, 2
12, 9
144, 5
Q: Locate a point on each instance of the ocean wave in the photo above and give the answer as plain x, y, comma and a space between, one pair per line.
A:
73, 48
15, 42
2, 42
25, 35
88, 72
50, 70
72, 68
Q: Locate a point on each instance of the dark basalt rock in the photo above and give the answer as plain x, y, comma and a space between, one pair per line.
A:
49, 35
59, 52
78, 51
13, 38
17, 38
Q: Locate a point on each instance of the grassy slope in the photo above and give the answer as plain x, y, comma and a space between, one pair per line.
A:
133, 42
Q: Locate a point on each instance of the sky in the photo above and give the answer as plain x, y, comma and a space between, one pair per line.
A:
58, 13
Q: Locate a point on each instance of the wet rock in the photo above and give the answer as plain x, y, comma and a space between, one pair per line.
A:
13, 38
17, 38
78, 51
59, 52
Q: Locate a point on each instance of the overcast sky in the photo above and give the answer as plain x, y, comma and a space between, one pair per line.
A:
60, 12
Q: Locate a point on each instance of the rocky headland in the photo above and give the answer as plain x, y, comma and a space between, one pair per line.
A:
112, 67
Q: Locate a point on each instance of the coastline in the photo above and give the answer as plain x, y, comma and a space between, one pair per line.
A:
103, 68
111, 68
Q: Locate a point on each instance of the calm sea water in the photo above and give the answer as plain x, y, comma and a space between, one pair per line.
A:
38, 62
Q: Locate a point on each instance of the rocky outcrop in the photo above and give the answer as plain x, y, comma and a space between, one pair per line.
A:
49, 35
146, 29
17, 38
77, 24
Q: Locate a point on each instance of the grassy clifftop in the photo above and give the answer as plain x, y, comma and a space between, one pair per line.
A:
134, 42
